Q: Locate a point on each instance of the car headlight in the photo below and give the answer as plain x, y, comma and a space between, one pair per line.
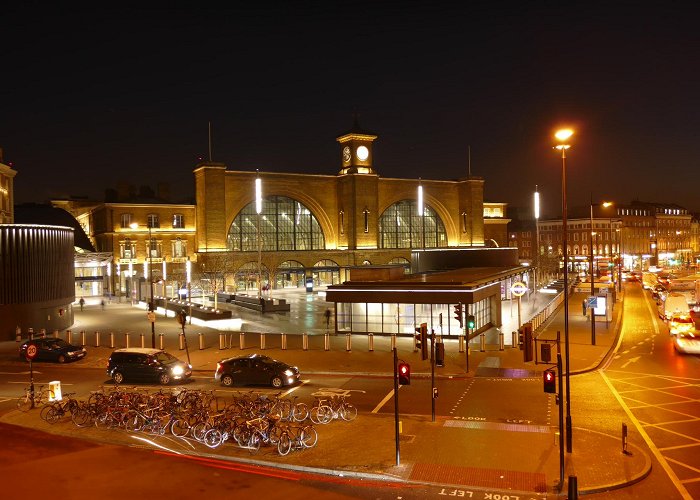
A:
288, 373
178, 370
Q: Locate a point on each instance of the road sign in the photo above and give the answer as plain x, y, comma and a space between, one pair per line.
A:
592, 302
31, 351
518, 288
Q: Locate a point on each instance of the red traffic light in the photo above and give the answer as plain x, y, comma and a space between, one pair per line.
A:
459, 314
550, 381
404, 374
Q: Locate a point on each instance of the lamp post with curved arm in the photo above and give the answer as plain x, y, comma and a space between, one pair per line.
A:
592, 266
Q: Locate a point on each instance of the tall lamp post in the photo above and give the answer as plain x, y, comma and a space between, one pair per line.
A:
421, 214
537, 238
563, 136
258, 209
592, 267
151, 303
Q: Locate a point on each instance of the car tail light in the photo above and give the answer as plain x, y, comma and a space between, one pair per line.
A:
219, 367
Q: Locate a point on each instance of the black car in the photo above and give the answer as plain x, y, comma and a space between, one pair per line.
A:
255, 369
145, 364
53, 349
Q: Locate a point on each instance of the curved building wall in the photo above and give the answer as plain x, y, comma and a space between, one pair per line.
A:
37, 278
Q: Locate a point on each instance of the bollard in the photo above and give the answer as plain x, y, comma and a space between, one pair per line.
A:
55, 334
501, 341
69, 336
370, 341
573, 488
393, 341
262, 341
111, 340
82, 338
514, 340
143, 340
181, 338
461, 343
42, 332
222, 340
201, 340
126, 340
284, 341
161, 338
305, 341
483, 342
18, 334
326, 341
97, 339
624, 439
348, 342
30, 331
241, 340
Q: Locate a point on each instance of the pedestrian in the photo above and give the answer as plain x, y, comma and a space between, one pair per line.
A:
81, 302
328, 318
102, 303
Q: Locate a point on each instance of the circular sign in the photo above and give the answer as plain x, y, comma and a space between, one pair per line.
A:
31, 351
518, 288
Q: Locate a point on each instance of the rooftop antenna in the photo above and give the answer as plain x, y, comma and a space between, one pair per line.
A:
209, 142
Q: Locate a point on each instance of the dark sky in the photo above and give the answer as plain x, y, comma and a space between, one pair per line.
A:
89, 98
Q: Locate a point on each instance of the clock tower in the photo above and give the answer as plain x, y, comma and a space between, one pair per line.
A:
356, 150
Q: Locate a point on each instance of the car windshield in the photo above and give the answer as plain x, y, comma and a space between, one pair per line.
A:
58, 343
165, 357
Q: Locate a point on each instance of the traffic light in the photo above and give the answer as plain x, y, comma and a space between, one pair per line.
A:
421, 340
404, 374
550, 381
458, 314
471, 322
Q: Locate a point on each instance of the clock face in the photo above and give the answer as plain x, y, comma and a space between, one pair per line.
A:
346, 154
362, 153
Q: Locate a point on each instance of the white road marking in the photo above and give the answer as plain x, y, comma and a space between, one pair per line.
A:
383, 401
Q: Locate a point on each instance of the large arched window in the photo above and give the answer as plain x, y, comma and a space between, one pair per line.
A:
400, 226
285, 224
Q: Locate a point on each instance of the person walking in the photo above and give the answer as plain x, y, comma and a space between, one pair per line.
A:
328, 318
102, 303
82, 303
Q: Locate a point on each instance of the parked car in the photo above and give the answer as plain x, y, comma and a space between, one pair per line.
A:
53, 349
687, 343
146, 364
255, 369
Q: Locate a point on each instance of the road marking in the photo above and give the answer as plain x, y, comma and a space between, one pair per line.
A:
383, 401
631, 360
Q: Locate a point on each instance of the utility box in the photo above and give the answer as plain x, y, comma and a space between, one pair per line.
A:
55, 391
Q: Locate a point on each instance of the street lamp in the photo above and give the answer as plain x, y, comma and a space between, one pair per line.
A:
258, 209
537, 237
151, 304
563, 136
592, 266
421, 214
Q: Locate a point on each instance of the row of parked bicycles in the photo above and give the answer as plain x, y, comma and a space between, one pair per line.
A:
248, 419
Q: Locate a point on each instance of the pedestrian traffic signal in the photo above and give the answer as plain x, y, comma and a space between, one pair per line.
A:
404, 374
458, 314
550, 381
471, 322
421, 340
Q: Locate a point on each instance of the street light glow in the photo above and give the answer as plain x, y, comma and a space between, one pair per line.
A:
537, 205
563, 134
420, 200
258, 195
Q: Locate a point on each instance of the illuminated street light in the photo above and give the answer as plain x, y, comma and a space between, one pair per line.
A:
421, 214
562, 136
537, 237
258, 209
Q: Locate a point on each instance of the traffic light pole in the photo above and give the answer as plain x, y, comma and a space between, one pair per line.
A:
432, 371
396, 405
561, 419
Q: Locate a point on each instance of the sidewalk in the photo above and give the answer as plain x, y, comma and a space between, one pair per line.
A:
527, 461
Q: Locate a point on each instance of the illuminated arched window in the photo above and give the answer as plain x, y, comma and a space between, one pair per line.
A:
400, 226
285, 224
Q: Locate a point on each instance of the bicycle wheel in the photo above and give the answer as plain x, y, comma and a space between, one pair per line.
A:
81, 417
321, 414
284, 444
213, 438
253, 444
24, 403
51, 414
199, 430
300, 412
308, 436
179, 428
133, 421
348, 412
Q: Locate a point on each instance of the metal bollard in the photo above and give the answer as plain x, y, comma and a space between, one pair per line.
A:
42, 332
514, 339
69, 336
97, 339
573, 488
284, 341
348, 342
370, 341
222, 340
161, 338
30, 331
18, 334
201, 340
241, 340
181, 338
143, 340
326, 341
55, 334
393, 341
501, 341
111, 340
483, 342
126, 339
305, 341
262, 341
461, 343
82, 338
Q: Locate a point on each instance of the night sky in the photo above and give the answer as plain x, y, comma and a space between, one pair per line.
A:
91, 98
